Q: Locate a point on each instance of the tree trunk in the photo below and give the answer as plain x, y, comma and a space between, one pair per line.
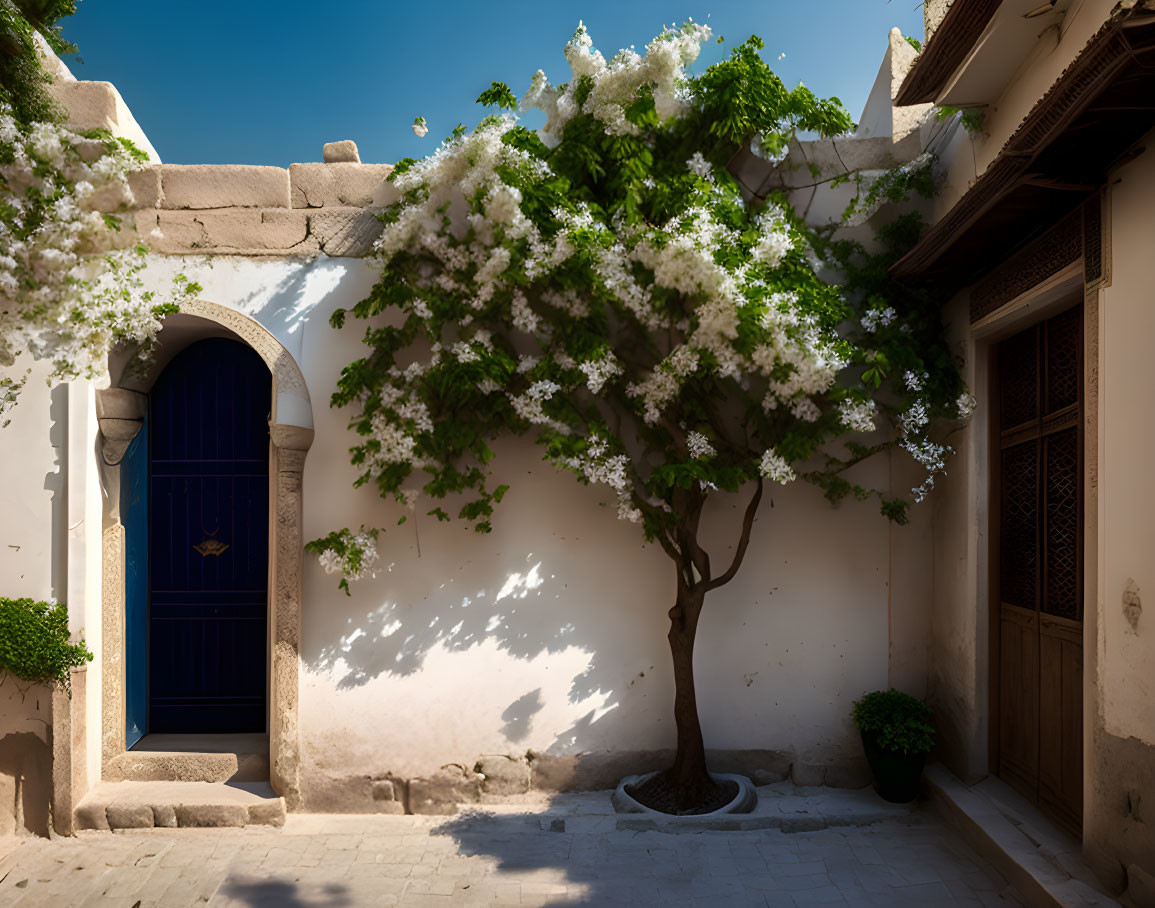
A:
688, 775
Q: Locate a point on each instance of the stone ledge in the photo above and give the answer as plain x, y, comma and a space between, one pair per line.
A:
340, 185
1045, 866
224, 186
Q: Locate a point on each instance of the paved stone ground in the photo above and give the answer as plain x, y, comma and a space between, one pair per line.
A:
498, 859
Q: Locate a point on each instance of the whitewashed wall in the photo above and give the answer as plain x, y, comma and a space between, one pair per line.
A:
549, 633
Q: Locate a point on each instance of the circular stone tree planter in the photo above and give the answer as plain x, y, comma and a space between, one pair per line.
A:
743, 802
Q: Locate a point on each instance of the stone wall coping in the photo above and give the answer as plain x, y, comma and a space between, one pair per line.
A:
203, 186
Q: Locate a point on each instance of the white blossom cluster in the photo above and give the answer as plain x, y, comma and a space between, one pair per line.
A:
775, 467
878, 318
699, 446
60, 299
600, 371
615, 84
357, 559
597, 465
857, 415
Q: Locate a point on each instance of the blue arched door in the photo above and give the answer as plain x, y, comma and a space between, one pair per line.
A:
208, 507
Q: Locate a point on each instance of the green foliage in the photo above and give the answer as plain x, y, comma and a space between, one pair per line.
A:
741, 98
896, 721
914, 42
972, 118
34, 642
498, 94
457, 349
22, 78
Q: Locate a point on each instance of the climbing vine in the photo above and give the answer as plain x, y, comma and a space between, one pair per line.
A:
68, 290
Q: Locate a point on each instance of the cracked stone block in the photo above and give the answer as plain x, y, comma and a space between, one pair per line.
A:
343, 152
224, 186
164, 816
346, 232
234, 229
503, 775
340, 185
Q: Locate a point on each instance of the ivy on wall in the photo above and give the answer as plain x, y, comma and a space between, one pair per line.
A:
35, 644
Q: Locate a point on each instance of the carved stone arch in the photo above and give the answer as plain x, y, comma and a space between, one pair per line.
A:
121, 410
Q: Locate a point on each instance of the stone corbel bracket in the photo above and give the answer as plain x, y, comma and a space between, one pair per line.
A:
120, 413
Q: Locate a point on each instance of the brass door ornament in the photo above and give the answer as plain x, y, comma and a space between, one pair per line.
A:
211, 546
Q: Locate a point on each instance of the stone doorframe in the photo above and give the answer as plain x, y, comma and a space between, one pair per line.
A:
120, 410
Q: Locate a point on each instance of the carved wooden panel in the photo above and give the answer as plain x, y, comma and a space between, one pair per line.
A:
1019, 554
1063, 549
1046, 256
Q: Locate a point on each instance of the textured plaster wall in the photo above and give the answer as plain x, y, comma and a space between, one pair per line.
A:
957, 675
1127, 483
1118, 835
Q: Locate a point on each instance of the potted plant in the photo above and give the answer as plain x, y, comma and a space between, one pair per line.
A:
897, 734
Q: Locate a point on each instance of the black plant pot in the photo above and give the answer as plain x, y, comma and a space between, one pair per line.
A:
896, 775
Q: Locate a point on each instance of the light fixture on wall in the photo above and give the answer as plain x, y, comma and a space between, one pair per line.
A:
1040, 10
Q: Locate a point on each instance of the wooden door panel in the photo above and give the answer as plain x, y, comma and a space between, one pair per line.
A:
1019, 699
1061, 720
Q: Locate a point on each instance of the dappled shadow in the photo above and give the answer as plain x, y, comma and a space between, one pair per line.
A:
273, 893
519, 714
524, 606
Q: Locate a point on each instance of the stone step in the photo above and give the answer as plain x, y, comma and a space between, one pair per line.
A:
141, 805
182, 766
193, 758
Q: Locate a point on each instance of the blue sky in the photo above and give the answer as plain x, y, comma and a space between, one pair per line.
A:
258, 82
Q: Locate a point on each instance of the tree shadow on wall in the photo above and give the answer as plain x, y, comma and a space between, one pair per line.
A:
530, 589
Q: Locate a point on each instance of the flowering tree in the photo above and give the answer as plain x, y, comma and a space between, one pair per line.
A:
604, 285
65, 294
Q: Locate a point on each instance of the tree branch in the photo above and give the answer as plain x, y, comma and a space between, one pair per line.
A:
743, 541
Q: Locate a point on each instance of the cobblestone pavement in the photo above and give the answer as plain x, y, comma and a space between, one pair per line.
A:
479, 859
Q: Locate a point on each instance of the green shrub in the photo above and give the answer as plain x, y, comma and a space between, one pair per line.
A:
34, 644
896, 721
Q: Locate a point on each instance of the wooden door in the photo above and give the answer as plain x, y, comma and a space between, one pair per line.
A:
209, 540
1039, 569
